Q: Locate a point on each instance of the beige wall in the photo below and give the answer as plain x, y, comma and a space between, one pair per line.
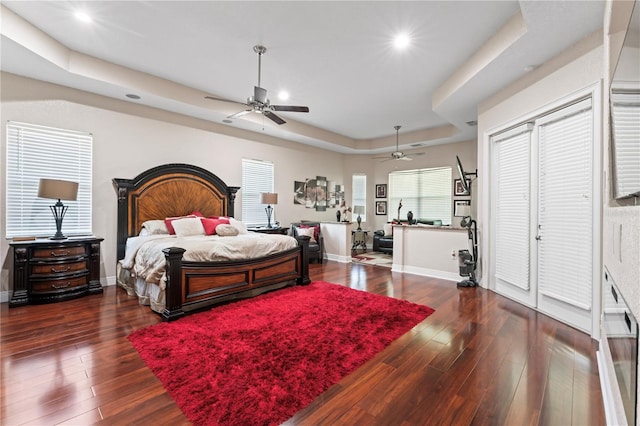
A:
130, 138
126, 144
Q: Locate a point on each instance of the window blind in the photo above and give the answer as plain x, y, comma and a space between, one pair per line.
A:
424, 192
565, 205
626, 134
35, 152
359, 194
512, 206
257, 177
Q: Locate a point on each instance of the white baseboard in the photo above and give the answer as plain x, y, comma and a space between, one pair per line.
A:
337, 258
4, 296
613, 408
444, 275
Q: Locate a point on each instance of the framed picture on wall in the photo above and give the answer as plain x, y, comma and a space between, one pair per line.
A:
381, 207
458, 189
381, 190
456, 207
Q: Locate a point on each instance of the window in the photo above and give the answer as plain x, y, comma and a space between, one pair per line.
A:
424, 192
257, 177
359, 195
625, 115
35, 152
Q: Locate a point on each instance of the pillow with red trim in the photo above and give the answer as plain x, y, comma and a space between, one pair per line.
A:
316, 230
197, 213
211, 224
306, 232
168, 221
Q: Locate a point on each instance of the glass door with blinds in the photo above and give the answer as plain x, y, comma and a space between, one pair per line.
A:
542, 227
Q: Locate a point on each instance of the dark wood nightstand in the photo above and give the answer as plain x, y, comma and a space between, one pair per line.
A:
265, 230
46, 271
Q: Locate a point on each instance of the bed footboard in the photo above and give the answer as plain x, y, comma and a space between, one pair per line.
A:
195, 285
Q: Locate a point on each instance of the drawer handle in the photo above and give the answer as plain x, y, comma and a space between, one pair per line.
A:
58, 287
59, 253
67, 269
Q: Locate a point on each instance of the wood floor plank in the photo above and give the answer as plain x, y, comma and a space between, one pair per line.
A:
480, 359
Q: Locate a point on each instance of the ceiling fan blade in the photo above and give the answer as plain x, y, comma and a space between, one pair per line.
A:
239, 114
271, 116
290, 108
260, 94
406, 158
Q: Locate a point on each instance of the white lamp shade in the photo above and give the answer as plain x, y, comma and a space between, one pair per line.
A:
358, 209
269, 198
464, 210
58, 189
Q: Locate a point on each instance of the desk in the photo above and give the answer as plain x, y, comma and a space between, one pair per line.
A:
359, 239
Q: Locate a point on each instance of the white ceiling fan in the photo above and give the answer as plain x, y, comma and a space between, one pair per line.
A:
397, 154
258, 102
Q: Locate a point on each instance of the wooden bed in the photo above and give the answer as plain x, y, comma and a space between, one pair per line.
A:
178, 189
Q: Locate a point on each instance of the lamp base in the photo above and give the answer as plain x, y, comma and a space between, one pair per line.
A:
58, 237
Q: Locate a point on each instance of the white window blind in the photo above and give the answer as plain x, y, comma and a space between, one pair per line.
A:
359, 194
424, 192
512, 206
565, 205
257, 177
35, 152
626, 134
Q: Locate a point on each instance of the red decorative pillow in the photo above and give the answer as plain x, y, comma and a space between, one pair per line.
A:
197, 213
316, 230
168, 221
210, 224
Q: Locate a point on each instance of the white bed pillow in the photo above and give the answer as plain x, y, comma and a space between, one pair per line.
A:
225, 230
188, 227
241, 227
154, 227
306, 232
388, 229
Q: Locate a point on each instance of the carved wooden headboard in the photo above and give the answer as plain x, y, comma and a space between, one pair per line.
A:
166, 191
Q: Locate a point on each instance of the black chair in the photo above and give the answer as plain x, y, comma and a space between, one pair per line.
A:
316, 249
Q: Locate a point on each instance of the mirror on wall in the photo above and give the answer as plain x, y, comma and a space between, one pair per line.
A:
625, 113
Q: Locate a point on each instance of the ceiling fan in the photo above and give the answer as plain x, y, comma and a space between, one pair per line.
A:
258, 102
397, 154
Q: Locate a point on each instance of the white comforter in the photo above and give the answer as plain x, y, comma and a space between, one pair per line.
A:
144, 255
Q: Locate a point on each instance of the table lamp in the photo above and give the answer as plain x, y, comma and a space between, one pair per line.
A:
60, 190
358, 210
268, 198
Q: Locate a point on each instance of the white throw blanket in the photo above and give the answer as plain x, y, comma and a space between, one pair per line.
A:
144, 255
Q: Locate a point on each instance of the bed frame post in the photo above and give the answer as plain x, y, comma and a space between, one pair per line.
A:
303, 242
173, 307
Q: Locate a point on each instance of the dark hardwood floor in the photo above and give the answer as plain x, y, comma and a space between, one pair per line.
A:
480, 359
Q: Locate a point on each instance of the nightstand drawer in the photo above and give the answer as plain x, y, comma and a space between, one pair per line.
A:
59, 252
59, 285
58, 268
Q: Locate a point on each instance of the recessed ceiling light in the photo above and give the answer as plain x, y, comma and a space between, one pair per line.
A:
132, 96
283, 95
529, 68
82, 16
401, 41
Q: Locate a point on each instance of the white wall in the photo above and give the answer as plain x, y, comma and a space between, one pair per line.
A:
126, 144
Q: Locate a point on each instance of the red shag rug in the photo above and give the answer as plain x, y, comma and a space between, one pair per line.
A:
260, 360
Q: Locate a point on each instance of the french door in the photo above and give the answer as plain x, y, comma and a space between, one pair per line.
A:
542, 221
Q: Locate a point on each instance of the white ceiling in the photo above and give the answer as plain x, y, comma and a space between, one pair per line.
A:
335, 57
